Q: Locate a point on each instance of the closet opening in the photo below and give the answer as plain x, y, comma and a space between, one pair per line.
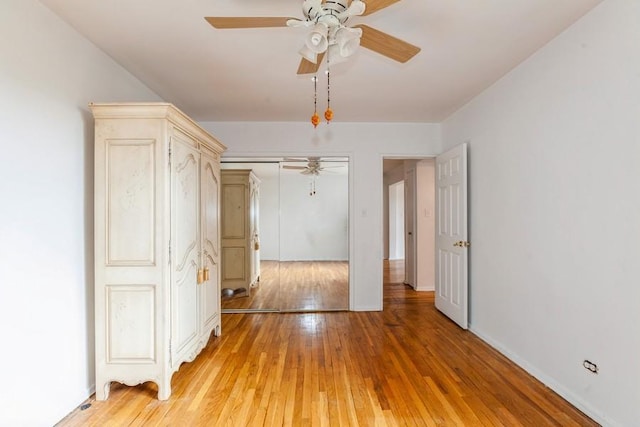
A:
285, 234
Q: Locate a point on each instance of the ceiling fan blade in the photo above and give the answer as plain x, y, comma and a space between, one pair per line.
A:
375, 5
225, 22
294, 167
386, 45
308, 67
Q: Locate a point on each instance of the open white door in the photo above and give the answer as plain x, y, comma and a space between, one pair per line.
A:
451, 235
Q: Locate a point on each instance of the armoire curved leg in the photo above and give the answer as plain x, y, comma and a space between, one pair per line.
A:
102, 393
164, 389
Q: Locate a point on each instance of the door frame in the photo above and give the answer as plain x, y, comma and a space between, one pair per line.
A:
385, 208
416, 236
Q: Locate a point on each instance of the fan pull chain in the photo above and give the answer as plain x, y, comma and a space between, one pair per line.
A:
328, 114
315, 119
312, 186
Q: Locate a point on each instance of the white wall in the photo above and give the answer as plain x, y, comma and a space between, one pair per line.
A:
389, 178
48, 74
365, 144
396, 220
555, 212
314, 227
425, 225
269, 216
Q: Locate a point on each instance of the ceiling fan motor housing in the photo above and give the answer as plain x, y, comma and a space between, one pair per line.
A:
332, 13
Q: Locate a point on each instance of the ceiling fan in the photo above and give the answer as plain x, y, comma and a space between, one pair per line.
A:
329, 33
313, 167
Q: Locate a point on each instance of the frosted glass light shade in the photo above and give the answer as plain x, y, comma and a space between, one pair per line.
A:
317, 40
308, 54
348, 40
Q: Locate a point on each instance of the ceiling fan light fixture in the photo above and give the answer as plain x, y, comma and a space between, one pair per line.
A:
308, 54
334, 55
348, 41
317, 40
356, 8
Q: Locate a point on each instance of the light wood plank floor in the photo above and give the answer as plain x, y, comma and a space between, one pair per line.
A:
296, 286
405, 366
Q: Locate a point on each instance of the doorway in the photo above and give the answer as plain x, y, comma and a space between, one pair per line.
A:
409, 219
303, 235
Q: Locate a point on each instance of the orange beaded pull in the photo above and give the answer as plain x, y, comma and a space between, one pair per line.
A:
315, 120
328, 114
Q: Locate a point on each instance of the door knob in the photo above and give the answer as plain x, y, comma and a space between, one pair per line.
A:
462, 244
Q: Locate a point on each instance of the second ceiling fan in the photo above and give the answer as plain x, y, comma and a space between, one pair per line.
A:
314, 165
329, 34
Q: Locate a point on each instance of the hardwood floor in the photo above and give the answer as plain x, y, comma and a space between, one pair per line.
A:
296, 286
393, 271
405, 366
309, 286
265, 296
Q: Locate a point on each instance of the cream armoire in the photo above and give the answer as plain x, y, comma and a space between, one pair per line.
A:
157, 257
239, 230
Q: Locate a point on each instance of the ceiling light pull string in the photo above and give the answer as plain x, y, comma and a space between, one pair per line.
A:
315, 119
328, 114
312, 186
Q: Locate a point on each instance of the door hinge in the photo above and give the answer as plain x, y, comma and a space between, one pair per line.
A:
169, 156
169, 252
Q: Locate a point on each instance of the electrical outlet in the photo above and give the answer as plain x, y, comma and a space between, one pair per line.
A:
590, 366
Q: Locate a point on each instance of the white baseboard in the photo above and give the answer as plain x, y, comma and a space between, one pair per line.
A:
546, 380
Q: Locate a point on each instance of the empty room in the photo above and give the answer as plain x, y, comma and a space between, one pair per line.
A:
203, 189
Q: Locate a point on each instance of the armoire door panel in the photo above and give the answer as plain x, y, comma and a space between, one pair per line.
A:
234, 264
130, 325
185, 313
185, 215
130, 202
211, 296
185, 243
210, 207
233, 211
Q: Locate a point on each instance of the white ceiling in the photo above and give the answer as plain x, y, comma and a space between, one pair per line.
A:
250, 74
